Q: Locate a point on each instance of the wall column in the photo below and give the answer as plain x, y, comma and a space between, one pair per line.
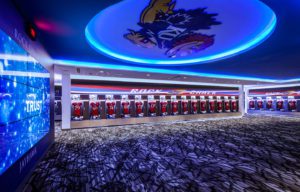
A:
242, 100
66, 101
246, 100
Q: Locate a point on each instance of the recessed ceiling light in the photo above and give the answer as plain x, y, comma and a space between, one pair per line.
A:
148, 75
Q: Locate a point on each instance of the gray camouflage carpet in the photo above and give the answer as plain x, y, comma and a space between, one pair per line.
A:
249, 154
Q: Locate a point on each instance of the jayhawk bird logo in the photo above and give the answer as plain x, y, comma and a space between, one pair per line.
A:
176, 31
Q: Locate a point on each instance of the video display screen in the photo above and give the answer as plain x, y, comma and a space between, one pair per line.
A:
24, 102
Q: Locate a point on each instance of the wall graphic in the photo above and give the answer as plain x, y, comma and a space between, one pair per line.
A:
179, 31
124, 90
292, 92
24, 102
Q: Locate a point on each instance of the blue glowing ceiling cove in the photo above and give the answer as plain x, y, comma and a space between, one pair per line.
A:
168, 71
174, 32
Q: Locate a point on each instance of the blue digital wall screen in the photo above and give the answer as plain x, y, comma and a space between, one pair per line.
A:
179, 31
24, 102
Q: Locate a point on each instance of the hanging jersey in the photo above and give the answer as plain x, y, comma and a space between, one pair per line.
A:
110, 108
279, 105
234, 106
139, 107
292, 105
260, 104
163, 107
125, 107
77, 109
219, 105
269, 104
203, 106
95, 108
227, 105
251, 105
194, 106
152, 106
184, 106
174, 107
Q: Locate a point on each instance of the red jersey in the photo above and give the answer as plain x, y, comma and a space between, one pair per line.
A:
95, 108
77, 109
110, 107
292, 105
194, 106
269, 104
279, 104
184, 106
139, 107
174, 107
219, 105
203, 106
227, 105
163, 106
212, 106
251, 104
260, 104
125, 107
234, 106
152, 106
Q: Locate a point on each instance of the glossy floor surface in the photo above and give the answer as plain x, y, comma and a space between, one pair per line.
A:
254, 153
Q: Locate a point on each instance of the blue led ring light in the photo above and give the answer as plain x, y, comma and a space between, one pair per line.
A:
169, 32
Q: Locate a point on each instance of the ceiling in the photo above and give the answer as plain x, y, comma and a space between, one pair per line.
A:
61, 29
115, 75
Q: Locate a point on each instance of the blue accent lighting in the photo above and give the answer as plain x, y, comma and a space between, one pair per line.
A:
168, 71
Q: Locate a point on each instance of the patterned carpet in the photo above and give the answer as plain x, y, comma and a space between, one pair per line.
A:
254, 153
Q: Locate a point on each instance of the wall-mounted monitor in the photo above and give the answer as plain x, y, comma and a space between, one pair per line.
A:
24, 106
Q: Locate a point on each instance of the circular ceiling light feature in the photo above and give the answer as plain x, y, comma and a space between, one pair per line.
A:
175, 32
